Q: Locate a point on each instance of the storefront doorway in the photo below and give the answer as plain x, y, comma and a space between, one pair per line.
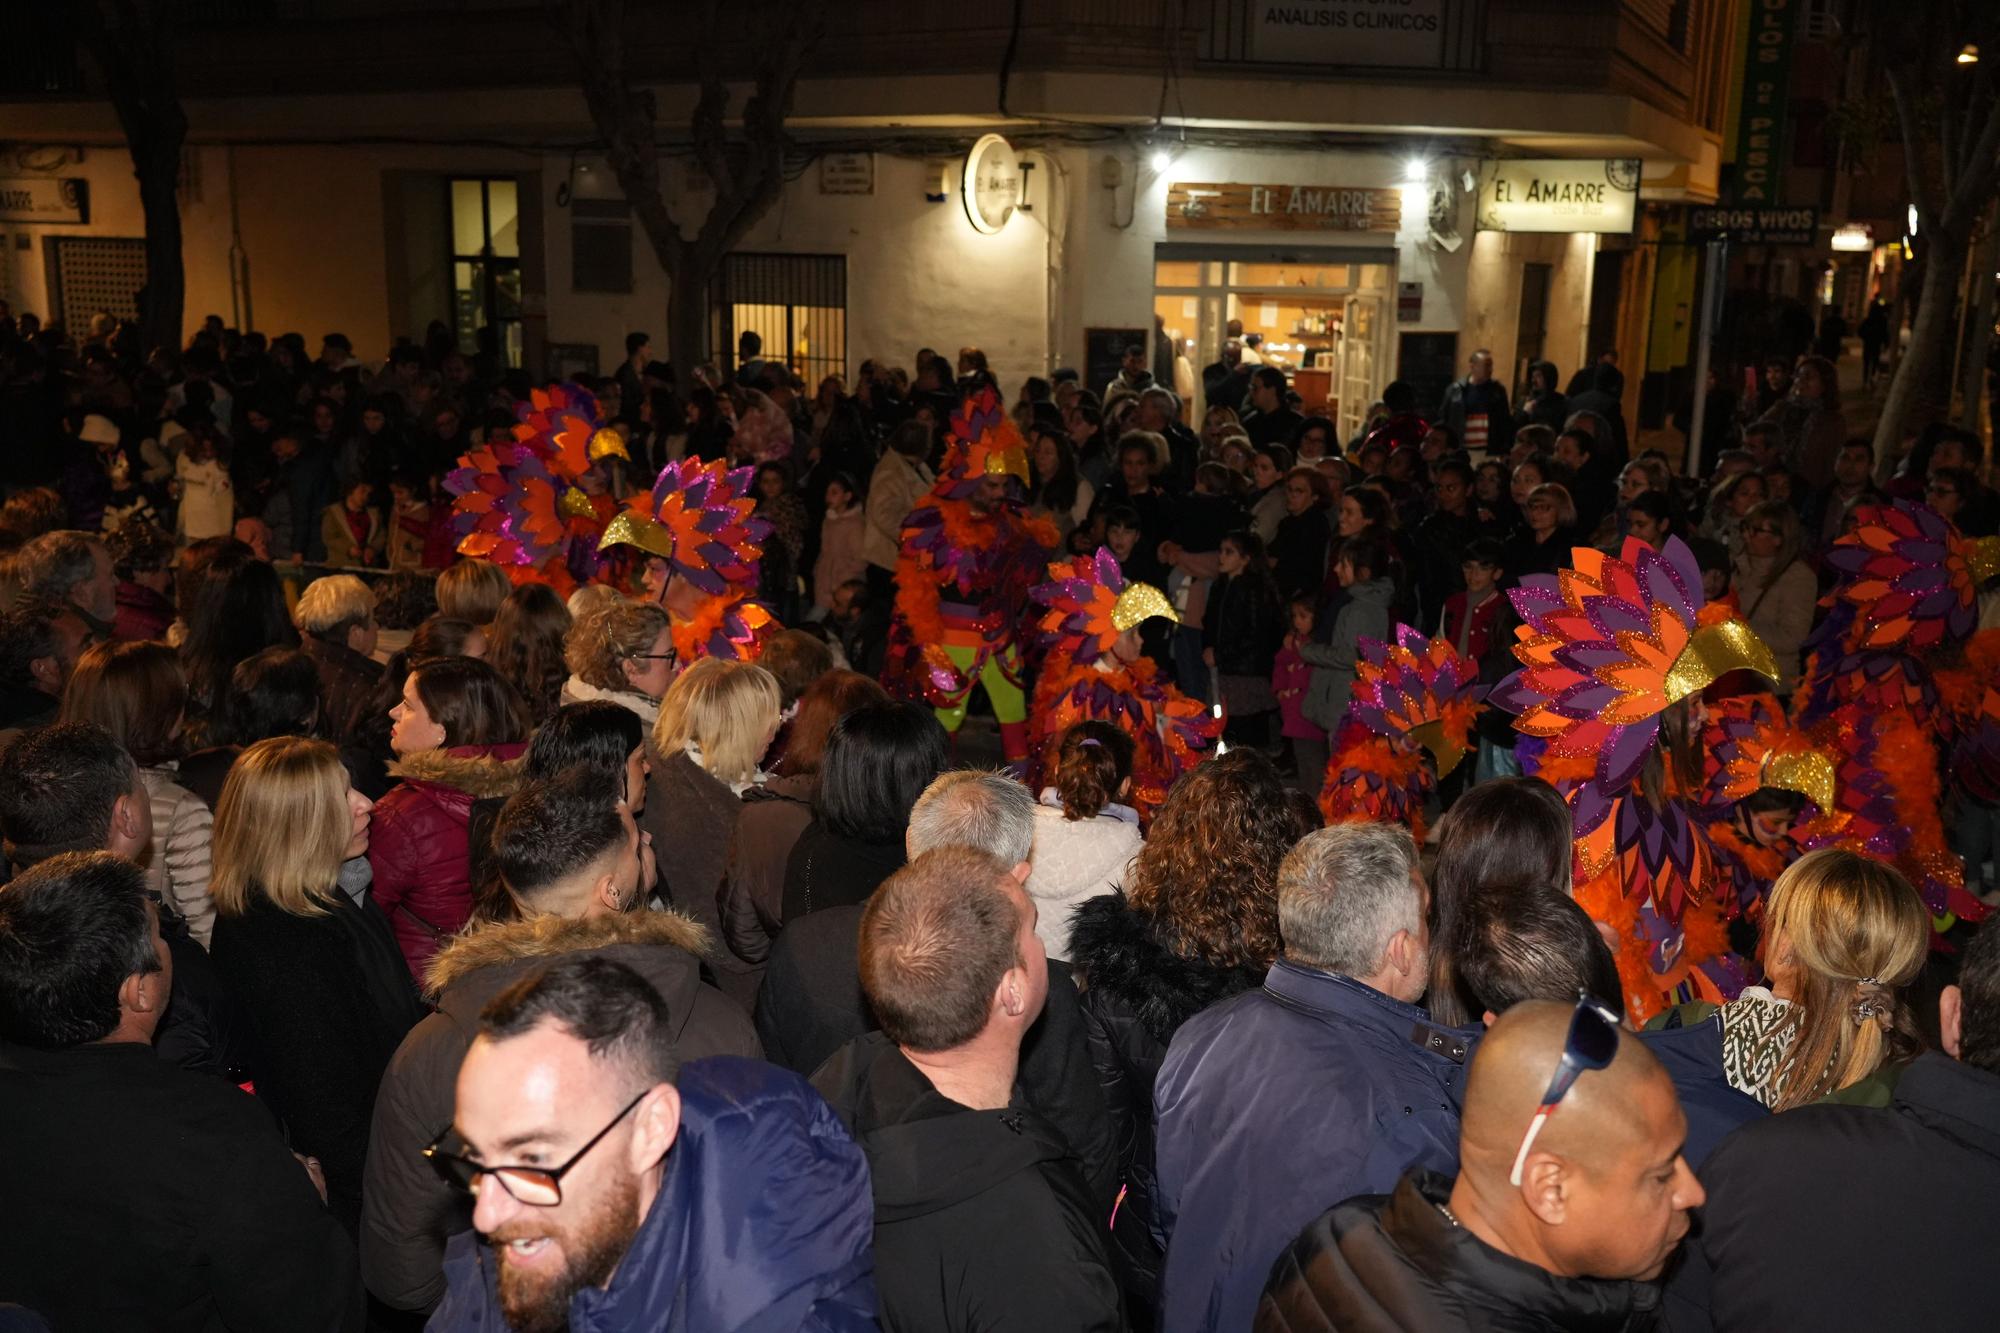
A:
1322, 314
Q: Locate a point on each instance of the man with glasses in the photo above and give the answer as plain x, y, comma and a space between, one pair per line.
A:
1570, 1163
615, 1190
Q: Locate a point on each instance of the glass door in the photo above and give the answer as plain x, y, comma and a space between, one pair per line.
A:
1360, 383
486, 265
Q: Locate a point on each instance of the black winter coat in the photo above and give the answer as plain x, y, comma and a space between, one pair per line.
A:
143, 1197
327, 999
982, 1218
1244, 625
1136, 994
811, 1005
1878, 1195
1391, 1263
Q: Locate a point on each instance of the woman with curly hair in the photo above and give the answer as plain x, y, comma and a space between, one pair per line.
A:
1196, 923
623, 652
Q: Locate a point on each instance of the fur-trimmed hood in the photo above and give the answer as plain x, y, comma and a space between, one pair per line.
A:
538, 939
479, 771
1117, 952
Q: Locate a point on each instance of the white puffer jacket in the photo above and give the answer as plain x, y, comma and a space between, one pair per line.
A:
1075, 860
177, 866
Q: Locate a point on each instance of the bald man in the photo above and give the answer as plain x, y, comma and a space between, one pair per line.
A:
1601, 1205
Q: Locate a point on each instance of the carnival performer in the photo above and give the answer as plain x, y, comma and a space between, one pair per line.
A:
1096, 669
537, 504
969, 557
700, 546
1768, 792
1412, 699
1609, 650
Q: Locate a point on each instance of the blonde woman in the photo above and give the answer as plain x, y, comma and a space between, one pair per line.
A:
317, 974
622, 651
336, 623
1843, 935
138, 693
715, 724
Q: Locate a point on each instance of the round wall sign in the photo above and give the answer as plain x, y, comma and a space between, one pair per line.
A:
992, 184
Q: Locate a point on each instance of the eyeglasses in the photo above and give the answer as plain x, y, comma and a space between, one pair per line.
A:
655, 657
1936, 489
536, 1186
1766, 532
1591, 1044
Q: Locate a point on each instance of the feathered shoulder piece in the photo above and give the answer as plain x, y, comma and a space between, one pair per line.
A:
1089, 604
1418, 689
1748, 743
1911, 577
1608, 644
514, 498
699, 520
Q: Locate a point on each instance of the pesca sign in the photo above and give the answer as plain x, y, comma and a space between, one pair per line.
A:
1764, 98
1559, 195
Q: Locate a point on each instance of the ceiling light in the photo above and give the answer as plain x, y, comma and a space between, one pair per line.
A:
1416, 171
1969, 54
1161, 159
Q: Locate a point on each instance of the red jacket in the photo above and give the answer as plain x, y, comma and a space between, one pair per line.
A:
418, 846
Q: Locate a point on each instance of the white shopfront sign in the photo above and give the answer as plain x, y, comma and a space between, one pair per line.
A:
992, 185
1560, 195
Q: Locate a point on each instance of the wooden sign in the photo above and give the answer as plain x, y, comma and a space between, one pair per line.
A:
1283, 207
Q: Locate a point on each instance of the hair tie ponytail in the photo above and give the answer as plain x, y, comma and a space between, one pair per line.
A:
1873, 1002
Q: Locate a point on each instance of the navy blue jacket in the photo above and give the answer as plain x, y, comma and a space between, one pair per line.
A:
1276, 1105
763, 1224
1693, 1059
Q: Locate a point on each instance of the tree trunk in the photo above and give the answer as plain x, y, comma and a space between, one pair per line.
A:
1979, 329
158, 163
687, 322
1931, 335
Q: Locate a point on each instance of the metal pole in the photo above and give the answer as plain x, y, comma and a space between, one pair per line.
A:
1714, 272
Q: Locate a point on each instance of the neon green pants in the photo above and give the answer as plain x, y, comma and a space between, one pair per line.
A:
1000, 674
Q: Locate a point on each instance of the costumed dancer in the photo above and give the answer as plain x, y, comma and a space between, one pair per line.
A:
1768, 792
1894, 665
701, 546
537, 504
1414, 698
1606, 649
1097, 669
968, 560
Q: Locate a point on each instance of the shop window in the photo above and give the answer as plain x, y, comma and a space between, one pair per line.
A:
486, 263
1531, 331
797, 304
600, 245
1319, 314
89, 275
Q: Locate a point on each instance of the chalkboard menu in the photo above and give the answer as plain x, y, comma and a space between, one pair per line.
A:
1428, 363
1103, 350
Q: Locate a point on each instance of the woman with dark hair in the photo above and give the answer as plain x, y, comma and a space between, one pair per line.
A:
1298, 552
1649, 516
1268, 467
1196, 922
526, 646
1810, 425
878, 760
1085, 834
778, 573
457, 730
136, 692
774, 815
1059, 493
273, 693
238, 608
1507, 833
1241, 630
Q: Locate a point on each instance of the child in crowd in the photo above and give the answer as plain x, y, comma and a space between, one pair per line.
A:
1361, 564
352, 529
1472, 616
1289, 678
207, 496
409, 523
840, 533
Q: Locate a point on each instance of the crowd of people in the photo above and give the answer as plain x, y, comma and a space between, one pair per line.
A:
490, 855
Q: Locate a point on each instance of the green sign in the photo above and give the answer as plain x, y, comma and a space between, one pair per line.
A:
1760, 126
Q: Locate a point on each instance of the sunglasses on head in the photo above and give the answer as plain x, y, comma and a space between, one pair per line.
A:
1591, 1044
